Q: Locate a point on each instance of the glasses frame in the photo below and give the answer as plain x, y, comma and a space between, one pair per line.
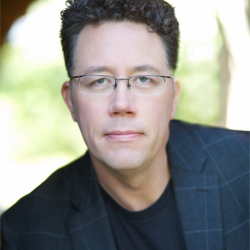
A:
118, 79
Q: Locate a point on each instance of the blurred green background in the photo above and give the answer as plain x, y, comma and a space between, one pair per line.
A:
36, 130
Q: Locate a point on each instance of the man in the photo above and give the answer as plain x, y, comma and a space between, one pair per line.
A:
130, 190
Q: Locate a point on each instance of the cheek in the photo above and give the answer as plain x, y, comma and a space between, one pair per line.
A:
162, 118
89, 114
158, 110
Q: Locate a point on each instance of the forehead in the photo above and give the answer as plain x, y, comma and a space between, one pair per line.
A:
119, 44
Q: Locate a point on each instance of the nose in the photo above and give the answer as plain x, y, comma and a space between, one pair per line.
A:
122, 102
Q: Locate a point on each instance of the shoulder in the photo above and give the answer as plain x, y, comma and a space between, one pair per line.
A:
219, 152
57, 184
222, 152
49, 200
210, 137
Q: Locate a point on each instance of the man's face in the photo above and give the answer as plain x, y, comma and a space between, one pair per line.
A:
122, 130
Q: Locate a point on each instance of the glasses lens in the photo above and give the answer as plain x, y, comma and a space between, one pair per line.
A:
96, 85
147, 85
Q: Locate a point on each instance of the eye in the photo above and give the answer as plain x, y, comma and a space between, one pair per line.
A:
102, 81
143, 79
96, 82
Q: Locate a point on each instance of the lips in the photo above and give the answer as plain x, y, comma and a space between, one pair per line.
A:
123, 135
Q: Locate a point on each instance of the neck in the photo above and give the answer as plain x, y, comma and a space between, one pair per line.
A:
135, 189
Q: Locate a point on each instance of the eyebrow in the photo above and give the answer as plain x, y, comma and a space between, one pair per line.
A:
140, 68
92, 70
146, 68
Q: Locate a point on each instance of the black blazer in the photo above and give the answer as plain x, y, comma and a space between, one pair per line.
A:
210, 174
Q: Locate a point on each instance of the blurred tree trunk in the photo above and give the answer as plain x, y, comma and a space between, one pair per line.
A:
234, 22
224, 75
247, 6
10, 11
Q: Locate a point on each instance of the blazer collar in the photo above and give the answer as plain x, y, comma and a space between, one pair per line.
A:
89, 226
183, 150
196, 190
86, 186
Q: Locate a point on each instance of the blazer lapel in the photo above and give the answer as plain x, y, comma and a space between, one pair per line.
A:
89, 226
196, 191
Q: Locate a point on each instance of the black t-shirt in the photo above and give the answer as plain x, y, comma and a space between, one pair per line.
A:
155, 228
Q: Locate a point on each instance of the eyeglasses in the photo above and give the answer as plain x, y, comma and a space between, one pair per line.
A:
104, 85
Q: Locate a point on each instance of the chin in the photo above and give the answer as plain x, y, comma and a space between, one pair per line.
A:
120, 161
129, 165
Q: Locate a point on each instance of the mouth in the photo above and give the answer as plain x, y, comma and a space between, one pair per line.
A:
123, 135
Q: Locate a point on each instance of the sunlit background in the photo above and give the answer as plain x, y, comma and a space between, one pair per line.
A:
37, 134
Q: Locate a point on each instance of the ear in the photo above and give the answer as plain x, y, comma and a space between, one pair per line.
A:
68, 99
176, 97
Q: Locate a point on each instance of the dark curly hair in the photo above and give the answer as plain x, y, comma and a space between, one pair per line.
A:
157, 14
